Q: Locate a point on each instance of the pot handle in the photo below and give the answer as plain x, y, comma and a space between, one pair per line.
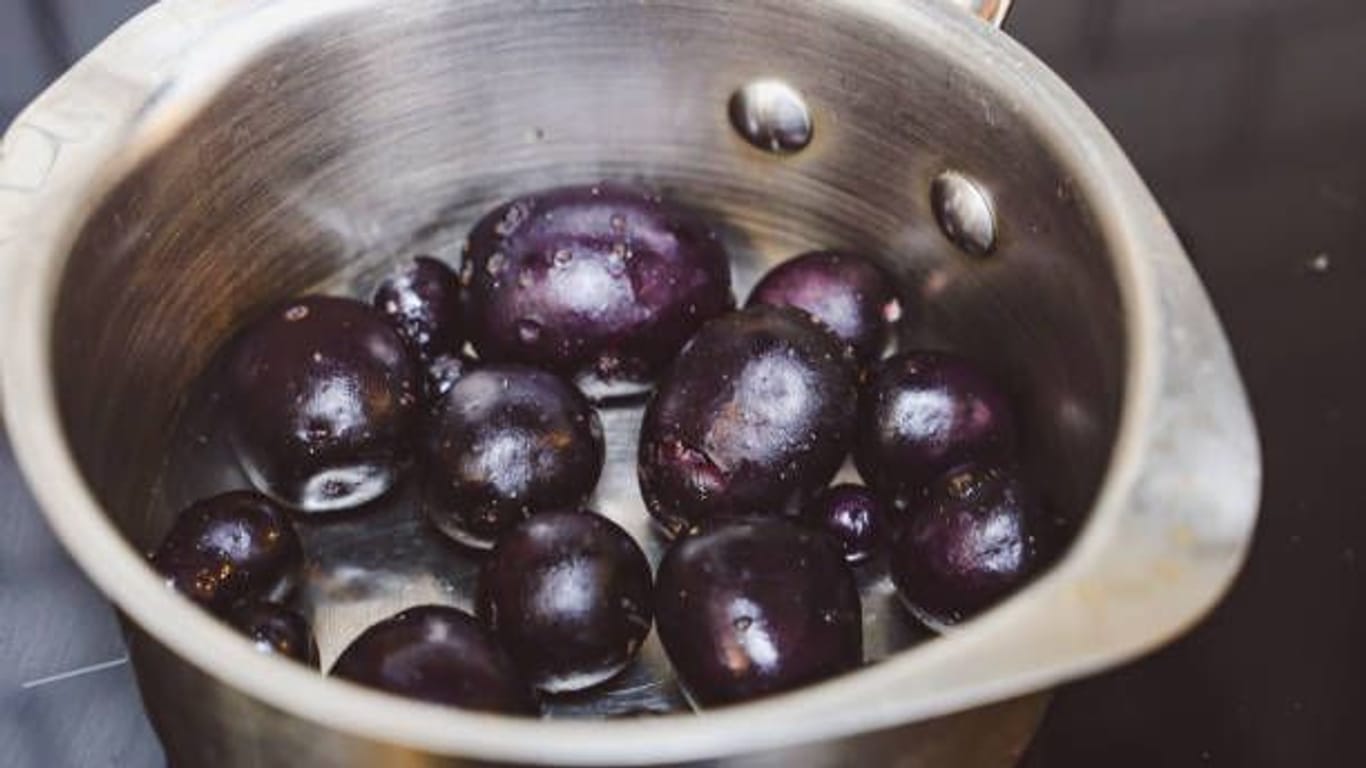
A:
992, 11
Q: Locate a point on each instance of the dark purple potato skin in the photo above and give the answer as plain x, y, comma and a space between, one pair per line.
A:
438, 654
568, 594
751, 607
974, 539
506, 442
847, 293
322, 398
230, 547
854, 516
606, 282
276, 629
924, 413
421, 298
756, 415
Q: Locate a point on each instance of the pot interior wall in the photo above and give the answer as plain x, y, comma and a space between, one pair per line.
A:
383, 133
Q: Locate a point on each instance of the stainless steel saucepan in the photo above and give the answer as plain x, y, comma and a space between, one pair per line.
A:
215, 155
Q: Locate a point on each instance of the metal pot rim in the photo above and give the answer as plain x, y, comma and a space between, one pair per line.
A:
1182, 508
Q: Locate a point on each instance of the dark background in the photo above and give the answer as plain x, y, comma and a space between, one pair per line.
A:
1247, 118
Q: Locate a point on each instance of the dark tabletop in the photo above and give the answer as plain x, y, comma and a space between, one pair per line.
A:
1247, 118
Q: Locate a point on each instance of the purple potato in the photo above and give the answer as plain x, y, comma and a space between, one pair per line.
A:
848, 294
506, 442
230, 547
601, 283
752, 607
924, 413
854, 516
974, 539
421, 298
438, 654
755, 416
322, 398
276, 629
568, 594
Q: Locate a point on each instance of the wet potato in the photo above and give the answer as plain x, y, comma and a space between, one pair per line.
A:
569, 595
275, 629
847, 293
924, 413
602, 283
504, 443
323, 398
230, 547
755, 416
752, 607
976, 536
438, 654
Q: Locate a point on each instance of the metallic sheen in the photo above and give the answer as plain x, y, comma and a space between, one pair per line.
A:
771, 115
212, 157
964, 213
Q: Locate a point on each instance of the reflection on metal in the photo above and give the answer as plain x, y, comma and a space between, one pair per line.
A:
964, 212
771, 115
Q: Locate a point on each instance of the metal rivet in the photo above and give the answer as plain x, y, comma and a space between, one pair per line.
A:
771, 115
964, 212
